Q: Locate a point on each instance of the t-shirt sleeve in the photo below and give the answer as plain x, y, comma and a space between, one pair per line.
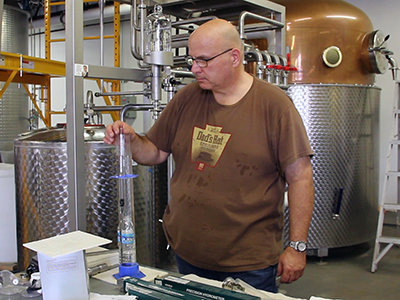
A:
160, 134
293, 142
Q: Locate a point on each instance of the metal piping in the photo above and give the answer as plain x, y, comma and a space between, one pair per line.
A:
259, 57
268, 62
393, 66
143, 17
137, 107
178, 73
134, 29
101, 6
245, 14
156, 90
122, 93
193, 20
124, 108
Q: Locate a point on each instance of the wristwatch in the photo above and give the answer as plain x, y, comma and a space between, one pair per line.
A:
299, 246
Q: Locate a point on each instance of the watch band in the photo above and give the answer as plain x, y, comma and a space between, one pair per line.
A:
299, 246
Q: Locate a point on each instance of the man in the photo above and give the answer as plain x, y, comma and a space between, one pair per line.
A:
236, 141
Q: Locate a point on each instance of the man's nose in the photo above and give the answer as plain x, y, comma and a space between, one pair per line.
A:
195, 67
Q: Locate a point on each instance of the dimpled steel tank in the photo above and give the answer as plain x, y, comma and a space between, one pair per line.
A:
335, 96
14, 101
42, 187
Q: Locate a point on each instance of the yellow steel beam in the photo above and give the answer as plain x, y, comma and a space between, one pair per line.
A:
63, 2
28, 78
116, 87
30, 64
46, 92
9, 80
47, 28
46, 122
85, 38
57, 112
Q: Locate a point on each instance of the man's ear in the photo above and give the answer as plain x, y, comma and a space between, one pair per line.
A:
236, 57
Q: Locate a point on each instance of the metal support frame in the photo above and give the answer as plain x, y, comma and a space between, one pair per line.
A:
280, 15
75, 116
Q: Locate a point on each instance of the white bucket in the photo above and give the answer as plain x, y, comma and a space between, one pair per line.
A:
8, 220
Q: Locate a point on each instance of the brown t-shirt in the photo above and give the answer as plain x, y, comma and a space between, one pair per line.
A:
226, 207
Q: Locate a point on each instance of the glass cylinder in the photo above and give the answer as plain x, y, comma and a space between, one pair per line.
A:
157, 31
126, 227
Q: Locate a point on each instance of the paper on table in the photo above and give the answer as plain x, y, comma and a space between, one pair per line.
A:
66, 243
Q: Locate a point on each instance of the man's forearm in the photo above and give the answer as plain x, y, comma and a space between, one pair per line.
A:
301, 197
145, 152
301, 203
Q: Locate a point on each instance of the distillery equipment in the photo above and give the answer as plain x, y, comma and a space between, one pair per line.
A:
41, 186
331, 84
333, 90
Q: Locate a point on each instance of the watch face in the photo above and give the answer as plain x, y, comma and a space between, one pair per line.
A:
301, 246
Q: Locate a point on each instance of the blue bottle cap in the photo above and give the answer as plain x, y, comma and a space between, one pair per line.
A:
129, 269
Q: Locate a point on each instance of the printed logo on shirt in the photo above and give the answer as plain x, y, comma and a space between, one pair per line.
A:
207, 145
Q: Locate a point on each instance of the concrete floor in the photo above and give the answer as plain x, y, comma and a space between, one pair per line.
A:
346, 274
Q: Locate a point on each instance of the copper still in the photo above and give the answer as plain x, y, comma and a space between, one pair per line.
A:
330, 43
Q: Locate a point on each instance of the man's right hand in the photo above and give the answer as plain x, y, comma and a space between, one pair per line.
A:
113, 130
143, 150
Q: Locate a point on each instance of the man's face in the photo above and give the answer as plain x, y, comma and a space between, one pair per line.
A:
213, 75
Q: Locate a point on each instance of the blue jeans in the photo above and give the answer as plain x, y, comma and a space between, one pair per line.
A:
264, 279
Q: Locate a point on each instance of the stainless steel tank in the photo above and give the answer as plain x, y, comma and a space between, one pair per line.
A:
342, 122
151, 199
42, 187
42, 194
334, 93
14, 102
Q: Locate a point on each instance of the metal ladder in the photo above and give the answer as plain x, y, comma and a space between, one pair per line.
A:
384, 207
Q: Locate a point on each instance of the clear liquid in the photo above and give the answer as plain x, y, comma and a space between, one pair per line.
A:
126, 243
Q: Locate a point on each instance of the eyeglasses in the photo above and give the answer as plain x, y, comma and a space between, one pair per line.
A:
203, 62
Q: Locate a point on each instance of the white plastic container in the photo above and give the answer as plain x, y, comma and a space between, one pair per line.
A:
8, 221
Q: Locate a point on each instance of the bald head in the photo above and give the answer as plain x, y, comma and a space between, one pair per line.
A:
219, 33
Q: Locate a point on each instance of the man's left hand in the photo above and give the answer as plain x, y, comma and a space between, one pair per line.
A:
291, 265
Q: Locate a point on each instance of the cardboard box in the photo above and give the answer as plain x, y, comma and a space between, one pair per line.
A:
62, 265
128, 283
200, 289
